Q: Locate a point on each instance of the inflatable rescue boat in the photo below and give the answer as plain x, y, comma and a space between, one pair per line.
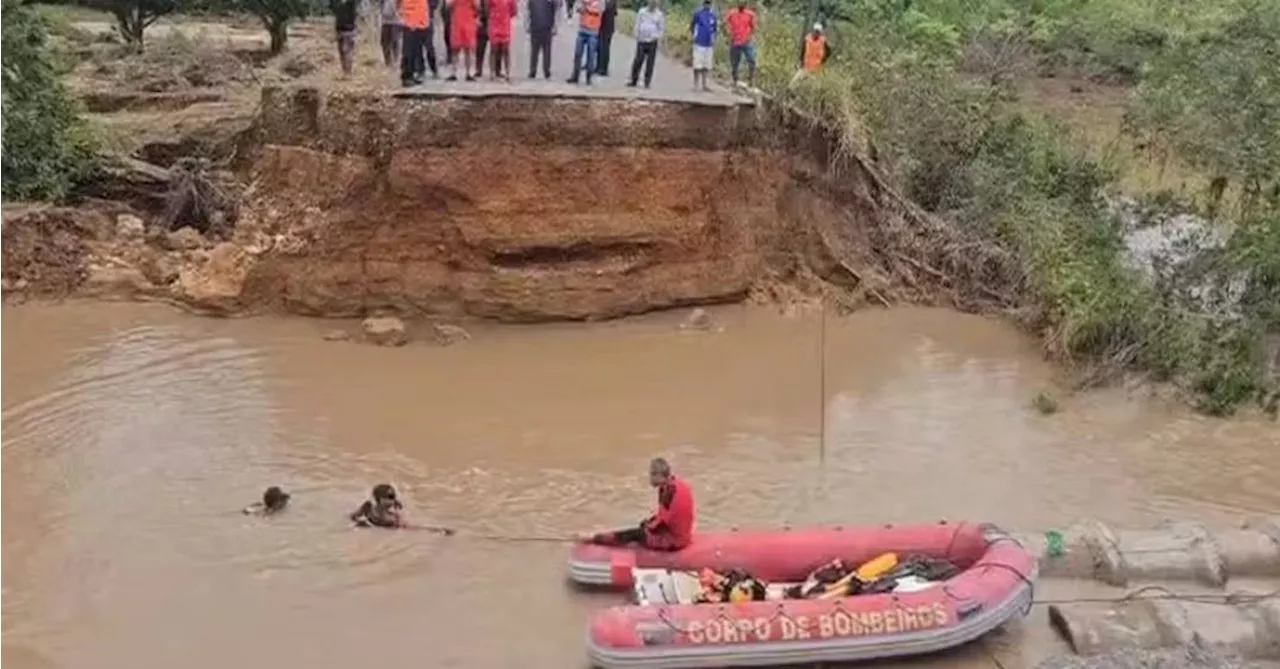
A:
894, 611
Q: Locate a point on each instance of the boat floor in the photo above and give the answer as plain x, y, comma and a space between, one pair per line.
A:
666, 586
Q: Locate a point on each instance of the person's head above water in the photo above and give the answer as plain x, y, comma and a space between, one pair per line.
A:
385, 496
274, 499
659, 472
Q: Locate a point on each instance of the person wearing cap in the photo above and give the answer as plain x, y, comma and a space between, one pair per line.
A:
815, 51
670, 528
703, 28
274, 500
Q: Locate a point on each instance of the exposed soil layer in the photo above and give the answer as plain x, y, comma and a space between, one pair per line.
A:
526, 209
531, 209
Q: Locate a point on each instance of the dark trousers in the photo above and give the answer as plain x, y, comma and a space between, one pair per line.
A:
646, 54
390, 42
540, 45
482, 43
632, 535
446, 19
412, 65
605, 48
429, 47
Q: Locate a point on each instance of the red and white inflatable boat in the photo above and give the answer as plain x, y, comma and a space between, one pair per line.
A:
666, 629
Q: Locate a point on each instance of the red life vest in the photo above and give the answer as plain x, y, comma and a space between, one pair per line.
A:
414, 14
672, 524
590, 17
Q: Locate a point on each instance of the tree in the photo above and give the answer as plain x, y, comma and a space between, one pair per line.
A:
1214, 97
46, 145
276, 15
133, 17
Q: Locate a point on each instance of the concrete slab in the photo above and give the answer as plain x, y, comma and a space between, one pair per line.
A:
672, 81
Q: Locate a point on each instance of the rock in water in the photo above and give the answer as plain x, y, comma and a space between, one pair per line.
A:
337, 335
385, 331
216, 283
698, 319
444, 334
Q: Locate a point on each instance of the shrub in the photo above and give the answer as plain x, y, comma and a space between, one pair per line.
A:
47, 147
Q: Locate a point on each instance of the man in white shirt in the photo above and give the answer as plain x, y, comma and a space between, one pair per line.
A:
650, 26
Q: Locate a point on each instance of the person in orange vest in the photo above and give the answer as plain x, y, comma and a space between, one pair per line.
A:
815, 50
585, 51
415, 17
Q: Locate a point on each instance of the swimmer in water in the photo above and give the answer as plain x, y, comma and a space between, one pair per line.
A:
382, 510
274, 500
385, 510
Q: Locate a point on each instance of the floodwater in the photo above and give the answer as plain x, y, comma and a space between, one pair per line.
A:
133, 435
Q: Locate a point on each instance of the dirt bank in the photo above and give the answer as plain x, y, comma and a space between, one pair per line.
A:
517, 209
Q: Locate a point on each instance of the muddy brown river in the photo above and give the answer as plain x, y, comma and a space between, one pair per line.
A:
133, 435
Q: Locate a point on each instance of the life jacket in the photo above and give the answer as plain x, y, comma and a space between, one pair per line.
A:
590, 17
815, 50
735, 586
414, 14
831, 580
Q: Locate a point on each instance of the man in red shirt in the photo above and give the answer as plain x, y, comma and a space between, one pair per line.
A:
670, 528
741, 24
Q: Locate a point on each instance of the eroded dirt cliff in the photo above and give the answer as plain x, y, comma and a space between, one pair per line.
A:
523, 209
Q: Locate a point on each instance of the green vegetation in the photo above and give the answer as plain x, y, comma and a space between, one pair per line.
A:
933, 89
47, 148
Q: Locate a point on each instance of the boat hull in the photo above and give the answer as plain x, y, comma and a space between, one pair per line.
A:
995, 586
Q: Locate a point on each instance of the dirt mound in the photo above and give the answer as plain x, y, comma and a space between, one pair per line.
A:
45, 249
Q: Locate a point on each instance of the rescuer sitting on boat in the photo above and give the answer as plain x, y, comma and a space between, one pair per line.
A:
274, 500
670, 528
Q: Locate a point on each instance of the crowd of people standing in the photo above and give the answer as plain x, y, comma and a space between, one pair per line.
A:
470, 28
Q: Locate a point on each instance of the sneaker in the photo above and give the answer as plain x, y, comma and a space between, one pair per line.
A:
573, 80
631, 84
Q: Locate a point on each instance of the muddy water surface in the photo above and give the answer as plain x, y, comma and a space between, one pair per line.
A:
132, 436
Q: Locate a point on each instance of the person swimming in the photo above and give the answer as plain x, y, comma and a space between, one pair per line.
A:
383, 509
274, 500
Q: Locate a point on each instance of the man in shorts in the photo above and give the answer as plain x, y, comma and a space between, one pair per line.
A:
741, 24
703, 27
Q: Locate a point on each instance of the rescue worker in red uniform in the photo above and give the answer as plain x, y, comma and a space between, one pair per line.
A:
670, 528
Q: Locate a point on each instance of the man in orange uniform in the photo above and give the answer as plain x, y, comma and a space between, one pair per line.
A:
590, 16
415, 18
670, 528
741, 24
815, 50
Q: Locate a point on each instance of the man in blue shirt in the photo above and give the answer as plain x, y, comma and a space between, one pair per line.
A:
703, 26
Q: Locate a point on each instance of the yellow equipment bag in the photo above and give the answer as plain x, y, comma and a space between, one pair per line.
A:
877, 567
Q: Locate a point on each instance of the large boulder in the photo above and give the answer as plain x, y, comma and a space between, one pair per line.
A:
216, 284
443, 334
385, 331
